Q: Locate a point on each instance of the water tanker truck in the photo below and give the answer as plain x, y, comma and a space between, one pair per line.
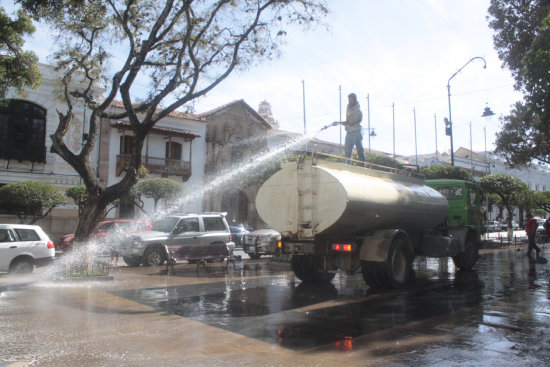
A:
335, 216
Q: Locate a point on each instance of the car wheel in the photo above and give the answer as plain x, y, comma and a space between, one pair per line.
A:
154, 256
21, 266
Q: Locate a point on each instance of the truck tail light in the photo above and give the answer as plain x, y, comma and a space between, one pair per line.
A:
342, 247
50, 244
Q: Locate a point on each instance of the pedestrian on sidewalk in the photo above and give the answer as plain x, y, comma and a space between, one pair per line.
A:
546, 226
531, 231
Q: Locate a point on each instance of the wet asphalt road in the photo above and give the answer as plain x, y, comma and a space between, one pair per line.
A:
259, 314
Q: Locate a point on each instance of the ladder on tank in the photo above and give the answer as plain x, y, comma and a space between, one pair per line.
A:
307, 195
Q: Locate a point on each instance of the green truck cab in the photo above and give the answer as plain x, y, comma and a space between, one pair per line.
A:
465, 200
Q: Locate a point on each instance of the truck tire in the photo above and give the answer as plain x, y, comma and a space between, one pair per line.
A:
132, 261
373, 274
253, 255
467, 259
395, 272
398, 266
154, 256
308, 269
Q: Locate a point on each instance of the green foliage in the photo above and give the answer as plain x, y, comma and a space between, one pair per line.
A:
30, 199
382, 160
158, 188
18, 68
542, 200
79, 194
511, 193
450, 172
509, 189
522, 40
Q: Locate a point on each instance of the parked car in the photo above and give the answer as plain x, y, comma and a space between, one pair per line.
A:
515, 226
22, 247
541, 235
261, 242
494, 226
106, 229
191, 237
237, 234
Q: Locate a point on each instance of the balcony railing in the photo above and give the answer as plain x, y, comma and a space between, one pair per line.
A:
161, 166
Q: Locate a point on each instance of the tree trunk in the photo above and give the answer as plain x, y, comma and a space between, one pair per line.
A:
92, 213
510, 230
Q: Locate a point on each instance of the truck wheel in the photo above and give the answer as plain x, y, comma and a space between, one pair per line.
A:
253, 255
154, 256
467, 259
395, 272
398, 265
373, 274
308, 269
132, 261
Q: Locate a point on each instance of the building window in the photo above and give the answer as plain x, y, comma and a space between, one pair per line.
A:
173, 150
126, 144
236, 157
22, 131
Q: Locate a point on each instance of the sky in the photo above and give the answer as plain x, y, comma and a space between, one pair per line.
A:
398, 53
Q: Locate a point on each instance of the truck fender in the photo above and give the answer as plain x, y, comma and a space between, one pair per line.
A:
375, 247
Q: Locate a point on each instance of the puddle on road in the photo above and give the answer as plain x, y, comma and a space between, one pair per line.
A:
275, 309
506, 294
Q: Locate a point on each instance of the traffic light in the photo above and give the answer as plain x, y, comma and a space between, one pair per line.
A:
448, 130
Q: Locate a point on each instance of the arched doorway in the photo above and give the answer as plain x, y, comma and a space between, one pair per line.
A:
235, 203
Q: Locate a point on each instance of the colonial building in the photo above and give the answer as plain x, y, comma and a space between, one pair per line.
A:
26, 122
174, 148
235, 134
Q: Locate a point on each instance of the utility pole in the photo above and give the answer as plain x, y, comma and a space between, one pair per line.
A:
471, 152
393, 122
368, 117
435, 124
415, 142
340, 125
304, 104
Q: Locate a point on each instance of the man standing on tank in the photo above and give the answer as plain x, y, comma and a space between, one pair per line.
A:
354, 136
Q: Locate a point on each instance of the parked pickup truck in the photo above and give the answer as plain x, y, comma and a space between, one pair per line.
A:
261, 242
190, 237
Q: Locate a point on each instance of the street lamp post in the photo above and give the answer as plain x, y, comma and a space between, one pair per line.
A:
449, 97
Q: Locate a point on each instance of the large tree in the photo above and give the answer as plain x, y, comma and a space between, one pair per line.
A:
522, 40
180, 49
18, 68
159, 188
511, 191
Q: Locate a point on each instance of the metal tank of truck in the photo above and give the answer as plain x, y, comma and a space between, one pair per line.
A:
334, 216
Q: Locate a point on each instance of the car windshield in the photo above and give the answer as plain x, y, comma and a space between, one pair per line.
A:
166, 224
